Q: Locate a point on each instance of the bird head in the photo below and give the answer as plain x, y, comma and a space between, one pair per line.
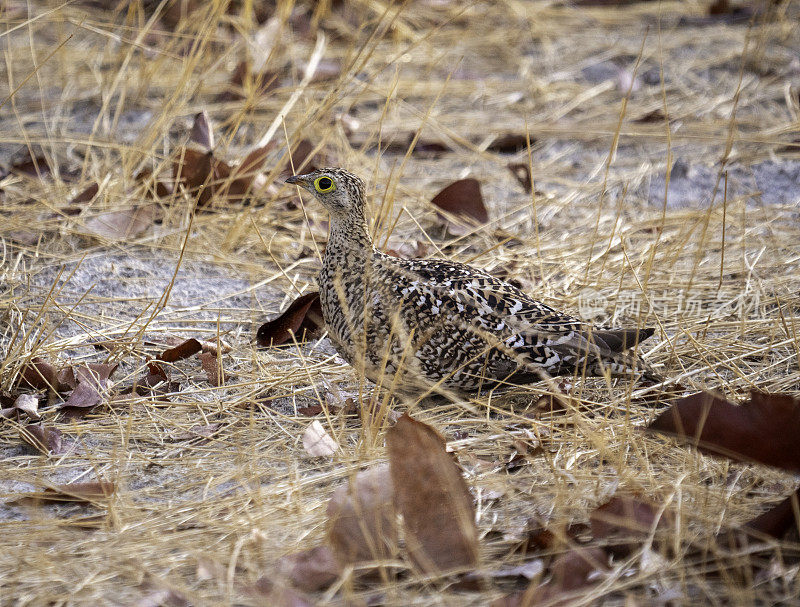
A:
339, 191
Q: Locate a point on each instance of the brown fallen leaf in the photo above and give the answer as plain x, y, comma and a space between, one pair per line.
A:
537, 538
28, 404
162, 597
523, 452
426, 148
25, 237
84, 196
184, 350
90, 491
462, 200
93, 384
40, 375
302, 319
7, 399
765, 429
201, 431
778, 520
430, 493
45, 439
199, 172
31, 165
154, 189
361, 518
303, 159
317, 442
313, 569
207, 177
153, 383
212, 368
66, 379
244, 177
656, 116
522, 173
629, 520
278, 595
510, 143
311, 411
202, 132
571, 573
120, 225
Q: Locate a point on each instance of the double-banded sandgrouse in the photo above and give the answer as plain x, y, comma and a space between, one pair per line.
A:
441, 324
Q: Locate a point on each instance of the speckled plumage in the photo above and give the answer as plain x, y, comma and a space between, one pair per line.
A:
424, 323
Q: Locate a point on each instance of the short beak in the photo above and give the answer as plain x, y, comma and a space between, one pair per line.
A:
301, 180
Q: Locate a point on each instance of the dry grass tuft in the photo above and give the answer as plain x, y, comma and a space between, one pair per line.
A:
211, 484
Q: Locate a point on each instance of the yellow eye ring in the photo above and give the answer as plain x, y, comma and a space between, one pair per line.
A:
324, 184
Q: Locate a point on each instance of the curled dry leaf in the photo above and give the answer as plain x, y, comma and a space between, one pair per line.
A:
311, 570
153, 188
216, 347
430, 493
361, 518
45, 439
765, 429
212, 368
317, 442
463, 200
28, 404
184, 350
303, 319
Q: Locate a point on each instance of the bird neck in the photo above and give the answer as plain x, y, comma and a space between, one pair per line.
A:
350, 233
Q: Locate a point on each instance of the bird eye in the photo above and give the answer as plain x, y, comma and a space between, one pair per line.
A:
324, 184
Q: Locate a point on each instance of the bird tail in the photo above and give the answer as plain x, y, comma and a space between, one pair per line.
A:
614, 354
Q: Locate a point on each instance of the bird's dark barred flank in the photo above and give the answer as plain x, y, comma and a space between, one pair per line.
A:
425, 323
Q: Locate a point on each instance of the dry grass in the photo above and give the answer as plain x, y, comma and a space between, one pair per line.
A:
102, 95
